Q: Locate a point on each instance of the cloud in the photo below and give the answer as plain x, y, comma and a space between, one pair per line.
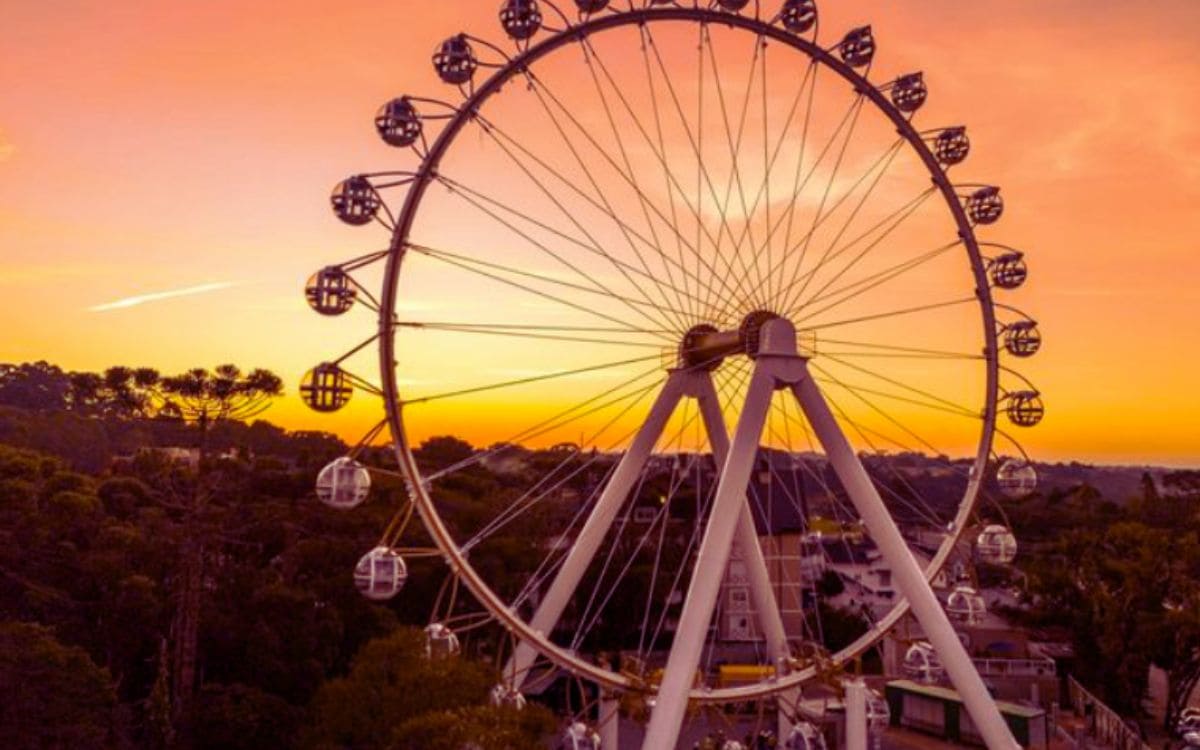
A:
134, 301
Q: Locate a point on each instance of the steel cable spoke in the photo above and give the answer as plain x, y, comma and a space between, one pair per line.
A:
525, 381
474, 197
488, 129
852, 290
890, 314
574, 188
846, 224
633, 178
913, 389
466, 264
735, 146
537, 87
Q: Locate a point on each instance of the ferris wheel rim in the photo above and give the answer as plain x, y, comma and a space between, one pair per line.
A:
427, 173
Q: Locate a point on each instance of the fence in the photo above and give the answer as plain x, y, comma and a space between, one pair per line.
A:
1104, 724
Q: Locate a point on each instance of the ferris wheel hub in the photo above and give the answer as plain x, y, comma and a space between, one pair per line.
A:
761, 332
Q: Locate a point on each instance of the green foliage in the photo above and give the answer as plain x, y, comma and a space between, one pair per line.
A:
389, 683
54, 695
238, 717
481, 727
1124, 581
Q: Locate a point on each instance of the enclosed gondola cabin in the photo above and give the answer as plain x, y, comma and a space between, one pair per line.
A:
804, 736
440, 641
330, 291
921, 663
380, 574
398, 123
579, 736
965, 606
507, 696
355, 201
455, 62
996, 545
343, 484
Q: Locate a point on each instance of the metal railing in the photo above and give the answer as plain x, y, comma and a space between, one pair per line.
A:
1042, 667
1103, 724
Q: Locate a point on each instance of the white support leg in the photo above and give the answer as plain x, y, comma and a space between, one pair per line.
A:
769, 617
907, 573
610, 721
856, 714
667, 717
615, 493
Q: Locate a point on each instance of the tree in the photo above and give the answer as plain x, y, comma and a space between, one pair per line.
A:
390, 682
239, 717
54, 695
202, 398
34, 385
482, 727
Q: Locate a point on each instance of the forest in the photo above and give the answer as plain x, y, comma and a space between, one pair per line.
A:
149, 603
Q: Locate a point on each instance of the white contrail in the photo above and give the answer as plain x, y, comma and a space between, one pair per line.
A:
155, 296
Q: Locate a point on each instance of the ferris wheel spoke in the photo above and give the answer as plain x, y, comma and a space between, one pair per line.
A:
537, 87
557, 421
853, 214
837, 164
629, 169
492, 132
495, 131
704, 178
890, 314
893, 221
494, 331
786, 220
735, 147
528, 380
476, 199
861, 286
492, 271
887, 224
799, 183
974, 414
885, 349
857, 388
694, 209
549, 484
921, 506
767, 160
667, 177
705, 189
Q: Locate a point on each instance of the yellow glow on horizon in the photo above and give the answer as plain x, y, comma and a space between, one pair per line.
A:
160, 147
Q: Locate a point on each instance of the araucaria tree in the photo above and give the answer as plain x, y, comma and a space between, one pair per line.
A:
202, 398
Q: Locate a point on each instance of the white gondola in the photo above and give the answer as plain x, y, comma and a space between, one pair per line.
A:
966, 606
804, 736
440, 641
506, 696
921, 663
1016, 478
996, 545
343, 484
380, 574
579, 736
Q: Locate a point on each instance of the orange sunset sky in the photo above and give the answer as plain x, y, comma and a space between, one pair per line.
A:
157, 146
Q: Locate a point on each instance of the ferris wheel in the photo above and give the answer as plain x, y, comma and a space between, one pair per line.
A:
721, 323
